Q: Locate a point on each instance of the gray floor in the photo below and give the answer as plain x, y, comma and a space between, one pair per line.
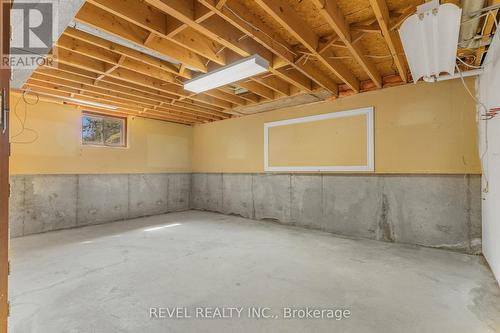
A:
105, 278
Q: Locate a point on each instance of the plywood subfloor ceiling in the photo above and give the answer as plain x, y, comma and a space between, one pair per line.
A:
339, 46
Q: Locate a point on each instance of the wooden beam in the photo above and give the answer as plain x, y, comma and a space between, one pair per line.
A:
72, 74
397, 21
368, 28
115, 59
489, 25
240, 17
287, 18
129, 53
333, 15
70, 70
136, 101
225, 33
133, 110
55, 91
81, 61
78, 60
274, 83
232, 98
257, 89
72, 44
195, 104
103, 20
294, 77
201, 13
78, 94
220, 3
391, 37
50, 98
150, 19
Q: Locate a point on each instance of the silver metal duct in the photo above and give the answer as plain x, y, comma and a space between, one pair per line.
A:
469, 37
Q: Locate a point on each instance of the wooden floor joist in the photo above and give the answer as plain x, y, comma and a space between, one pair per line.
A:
333, 15
252, 26
287, 18
137, 54
391, 37
131, 100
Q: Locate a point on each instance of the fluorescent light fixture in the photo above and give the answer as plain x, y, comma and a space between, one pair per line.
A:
430, 40
90, 103
162, 227
228, 74
78, 101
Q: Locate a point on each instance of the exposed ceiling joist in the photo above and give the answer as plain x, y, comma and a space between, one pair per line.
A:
392, 38
333, 15
252, 26
287, 18
137, 54
156, 22
107, 21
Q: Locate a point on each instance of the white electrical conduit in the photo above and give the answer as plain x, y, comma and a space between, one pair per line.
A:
474, 72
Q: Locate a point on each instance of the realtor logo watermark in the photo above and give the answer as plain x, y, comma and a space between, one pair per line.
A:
34, 31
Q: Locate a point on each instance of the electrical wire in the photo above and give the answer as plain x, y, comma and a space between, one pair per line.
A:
257, 29
489, 8
492, 113
468, 65
487, 14
470, 19
378, 56
22, 120
340, 57
486, 146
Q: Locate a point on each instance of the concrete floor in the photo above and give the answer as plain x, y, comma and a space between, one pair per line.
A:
105, 278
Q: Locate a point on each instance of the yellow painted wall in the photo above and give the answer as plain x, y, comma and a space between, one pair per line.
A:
423, 128
153, 146
302, 145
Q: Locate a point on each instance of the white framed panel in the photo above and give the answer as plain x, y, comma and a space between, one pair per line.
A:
370, 144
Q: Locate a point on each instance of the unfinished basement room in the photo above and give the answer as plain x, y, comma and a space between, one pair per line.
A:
229, 166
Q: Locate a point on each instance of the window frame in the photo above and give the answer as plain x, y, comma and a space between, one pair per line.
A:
370, 144
94, 115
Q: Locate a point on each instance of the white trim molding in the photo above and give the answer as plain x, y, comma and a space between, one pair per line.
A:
370, 144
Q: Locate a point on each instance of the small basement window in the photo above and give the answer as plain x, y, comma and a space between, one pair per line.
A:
107, 131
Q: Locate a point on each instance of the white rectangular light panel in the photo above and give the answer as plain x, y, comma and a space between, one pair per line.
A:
239, 70
90, 103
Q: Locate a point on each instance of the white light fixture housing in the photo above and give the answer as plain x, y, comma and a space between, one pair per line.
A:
90, 103
79, 101
237, 71
430, 40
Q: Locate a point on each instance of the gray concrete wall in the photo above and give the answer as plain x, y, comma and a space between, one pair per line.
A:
430, 210
442, 211
42, 203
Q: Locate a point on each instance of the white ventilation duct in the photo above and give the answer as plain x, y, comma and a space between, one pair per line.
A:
430, 40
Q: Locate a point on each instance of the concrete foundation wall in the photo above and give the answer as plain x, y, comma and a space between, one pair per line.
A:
432, 210
42, 203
